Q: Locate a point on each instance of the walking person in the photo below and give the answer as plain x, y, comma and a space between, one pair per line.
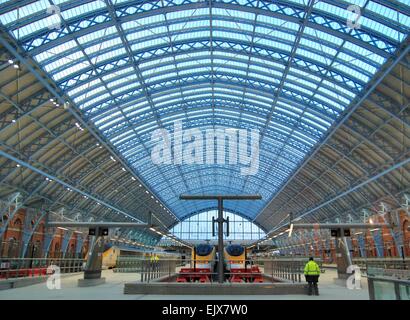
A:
312, 273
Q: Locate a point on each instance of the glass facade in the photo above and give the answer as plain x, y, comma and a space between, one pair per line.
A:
199, 227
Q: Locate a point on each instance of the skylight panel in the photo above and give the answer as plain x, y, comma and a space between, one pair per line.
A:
317, 119
359, 63
298, 88
230, 35
108, 55
122, 135
89, 94
364, 52
278, 22
121, 80
329, 101
84, 87
352, 72
337, 11
127, 138
388, 13
318, 46
302, 81
266, 32
233, 25
230, 70
149, 43
313, 56
36, 26
56, 51
334, 95
158, 31
118, 73
23, 12
113, 122
190, 35
110, 115
144, 21
324, 36
339, 88
273, 44
184, 14
94, 101
383, 29
82, 9
65, 60
173, 26
73, 69
161, 77
102, 46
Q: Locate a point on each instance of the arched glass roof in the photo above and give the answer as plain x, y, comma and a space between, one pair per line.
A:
199, 227
289, 69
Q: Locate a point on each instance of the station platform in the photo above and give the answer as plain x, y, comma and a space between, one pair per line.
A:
114, 287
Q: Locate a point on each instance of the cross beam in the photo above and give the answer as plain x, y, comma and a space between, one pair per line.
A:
220, 220
340, 225
71, 224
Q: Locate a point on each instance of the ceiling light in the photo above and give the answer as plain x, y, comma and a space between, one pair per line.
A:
15, 66
111, 157
11, 61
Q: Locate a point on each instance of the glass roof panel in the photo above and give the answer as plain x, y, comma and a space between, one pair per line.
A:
140, 66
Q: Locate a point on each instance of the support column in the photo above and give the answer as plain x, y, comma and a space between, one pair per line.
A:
343, 257
93, 267
221, 277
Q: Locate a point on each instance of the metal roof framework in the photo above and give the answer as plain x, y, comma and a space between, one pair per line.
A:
291, 69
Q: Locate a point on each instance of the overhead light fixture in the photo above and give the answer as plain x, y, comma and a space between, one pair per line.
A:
133, 179
15, 66
11, 61
18, 166
152, 229
61, 228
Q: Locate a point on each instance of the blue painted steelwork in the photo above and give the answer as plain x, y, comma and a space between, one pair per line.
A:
289, 69
378, 243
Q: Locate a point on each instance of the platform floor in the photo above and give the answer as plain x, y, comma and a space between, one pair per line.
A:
113, 290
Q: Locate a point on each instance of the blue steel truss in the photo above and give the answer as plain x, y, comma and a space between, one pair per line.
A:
289, 69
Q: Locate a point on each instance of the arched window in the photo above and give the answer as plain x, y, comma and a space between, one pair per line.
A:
17, 222
199, 227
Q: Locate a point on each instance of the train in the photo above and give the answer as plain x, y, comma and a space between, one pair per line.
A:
112, 252
204, 257
234, 257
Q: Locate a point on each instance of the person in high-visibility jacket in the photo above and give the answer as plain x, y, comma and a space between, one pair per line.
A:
312, 273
